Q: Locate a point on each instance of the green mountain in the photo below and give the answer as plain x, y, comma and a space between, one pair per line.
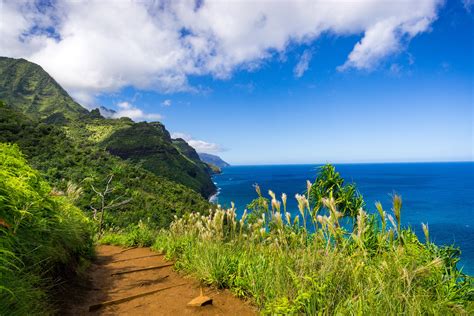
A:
62, 158
29, 88
68, 143
191, 153
213, 160
150, 145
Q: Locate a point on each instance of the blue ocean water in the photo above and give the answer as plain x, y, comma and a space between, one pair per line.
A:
440, 194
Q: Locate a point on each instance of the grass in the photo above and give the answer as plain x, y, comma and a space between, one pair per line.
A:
376, 267
139, 235
42, 236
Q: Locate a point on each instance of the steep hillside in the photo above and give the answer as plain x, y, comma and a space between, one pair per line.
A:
42, 235
63, 156
213, 160
28, 89
191, 153
186, 149
150, 145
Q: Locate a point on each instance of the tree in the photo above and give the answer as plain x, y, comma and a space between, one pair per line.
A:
104, 202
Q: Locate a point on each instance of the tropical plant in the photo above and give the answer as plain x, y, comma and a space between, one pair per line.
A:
378, 267
329, 182
41, 234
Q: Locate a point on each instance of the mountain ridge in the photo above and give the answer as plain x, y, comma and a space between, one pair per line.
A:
29, 89
213, 160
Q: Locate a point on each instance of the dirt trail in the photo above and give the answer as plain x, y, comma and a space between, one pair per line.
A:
104, 286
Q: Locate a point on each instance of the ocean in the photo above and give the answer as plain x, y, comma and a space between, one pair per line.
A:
439, 194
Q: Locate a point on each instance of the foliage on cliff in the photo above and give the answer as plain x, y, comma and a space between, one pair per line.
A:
213, 160
62, 157
28, 89
150, 145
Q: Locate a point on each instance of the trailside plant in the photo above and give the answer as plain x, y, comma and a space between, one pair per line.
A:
41, 234
316, 265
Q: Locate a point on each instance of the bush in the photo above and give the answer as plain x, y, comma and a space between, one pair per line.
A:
139, 235
41, 235
375, 267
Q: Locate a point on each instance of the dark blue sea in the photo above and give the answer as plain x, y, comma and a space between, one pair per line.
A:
440, 194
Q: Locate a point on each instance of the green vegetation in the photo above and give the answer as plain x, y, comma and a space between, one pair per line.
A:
329, 183
62, 158
28, 87
140, 235
150, 145
28, 90
128, 181
67, 143
213, 160
42, 235
375, 267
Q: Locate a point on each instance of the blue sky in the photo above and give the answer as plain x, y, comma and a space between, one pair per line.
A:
412, 101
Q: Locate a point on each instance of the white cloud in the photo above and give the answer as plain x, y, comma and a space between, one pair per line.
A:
94, 47
468, 4
199, 145
303, 64
126, 109
166, 103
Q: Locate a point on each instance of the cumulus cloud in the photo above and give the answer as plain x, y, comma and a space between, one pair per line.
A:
199, 145
166, 102
303, 64
94, 47
126, 109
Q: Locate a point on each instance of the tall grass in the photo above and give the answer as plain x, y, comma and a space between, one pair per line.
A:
311, 264
41, 235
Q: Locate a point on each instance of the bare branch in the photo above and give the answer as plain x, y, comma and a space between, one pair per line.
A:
117, 204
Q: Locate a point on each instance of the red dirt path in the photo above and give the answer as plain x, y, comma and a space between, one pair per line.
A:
104, 287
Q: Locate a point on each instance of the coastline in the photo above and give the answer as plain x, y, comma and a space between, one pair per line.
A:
213, 198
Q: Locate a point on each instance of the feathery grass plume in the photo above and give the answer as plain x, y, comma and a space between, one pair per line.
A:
286, 269
283, 198
257, 189
392, 221
330, 204
278, 220
73, 191
361, 219
242, 223
272, 194
426, 232
302, 207
382, 214
397, 207
56, 192
288, 218
296, 220
308, 188
276, 206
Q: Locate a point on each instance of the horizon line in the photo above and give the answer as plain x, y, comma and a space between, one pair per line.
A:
349, 163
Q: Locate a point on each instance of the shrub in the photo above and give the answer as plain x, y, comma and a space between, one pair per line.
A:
373, 267
140, 235
41, 235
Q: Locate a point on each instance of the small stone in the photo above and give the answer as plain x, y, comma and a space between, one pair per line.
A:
201, 300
